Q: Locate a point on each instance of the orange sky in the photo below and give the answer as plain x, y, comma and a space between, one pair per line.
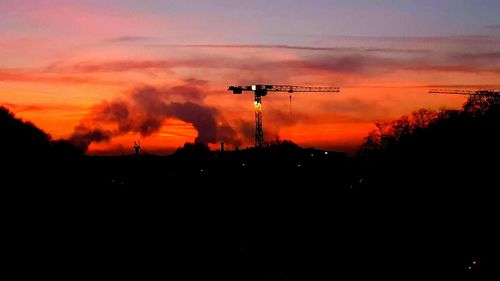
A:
60, 62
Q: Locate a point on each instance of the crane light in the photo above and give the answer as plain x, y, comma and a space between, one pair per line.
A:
257, 105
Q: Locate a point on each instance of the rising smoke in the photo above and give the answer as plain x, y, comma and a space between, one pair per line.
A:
144, 111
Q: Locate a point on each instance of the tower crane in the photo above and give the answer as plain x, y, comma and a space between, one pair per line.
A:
262, 90
482, 92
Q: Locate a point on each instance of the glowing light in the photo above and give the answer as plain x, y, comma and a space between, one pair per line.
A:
254, 87
326, 152
257, 105
474, 262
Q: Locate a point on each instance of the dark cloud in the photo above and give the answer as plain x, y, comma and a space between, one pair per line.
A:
457, 67
362, 64
353, 63
144, 111
493, 27
83, 136
120, 66
467, 54
227, 134
247, 130
115, 111
456, 39
476, 57
143, 65
357, 63
292, 47
202, 117
152, 97
128, 39
190, 91
196, 82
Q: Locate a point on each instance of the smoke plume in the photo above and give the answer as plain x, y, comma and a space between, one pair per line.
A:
144, 110
82, 136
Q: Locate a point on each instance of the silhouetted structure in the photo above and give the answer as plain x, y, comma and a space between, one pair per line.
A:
137, 148
483, 92
262, 90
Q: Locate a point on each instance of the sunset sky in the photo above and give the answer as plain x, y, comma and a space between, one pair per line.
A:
157, 71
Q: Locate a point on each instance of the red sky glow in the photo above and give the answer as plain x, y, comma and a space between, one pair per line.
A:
68, 63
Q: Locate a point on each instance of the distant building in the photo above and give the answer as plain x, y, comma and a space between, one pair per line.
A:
137, 148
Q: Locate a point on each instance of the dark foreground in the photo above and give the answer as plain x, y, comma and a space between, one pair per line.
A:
247, 216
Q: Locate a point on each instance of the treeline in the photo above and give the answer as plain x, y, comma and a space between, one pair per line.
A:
434, 145
477, 121
428, 183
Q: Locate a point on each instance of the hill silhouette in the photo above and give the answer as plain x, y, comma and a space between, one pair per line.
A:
21, 139
417, 199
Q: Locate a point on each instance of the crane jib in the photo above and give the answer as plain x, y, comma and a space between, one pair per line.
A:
481, 92
262, 90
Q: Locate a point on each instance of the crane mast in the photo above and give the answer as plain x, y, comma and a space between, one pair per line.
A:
262, 90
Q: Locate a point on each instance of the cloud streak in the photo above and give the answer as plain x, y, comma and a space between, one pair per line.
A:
41, 76
493, 27
42, 107
350, 62
290, 47
354, 64
130, 39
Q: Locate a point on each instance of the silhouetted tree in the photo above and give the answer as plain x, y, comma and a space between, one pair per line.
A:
425, 122
282, 145
439, 141
480, 105
193, 149
423, 117
19, 138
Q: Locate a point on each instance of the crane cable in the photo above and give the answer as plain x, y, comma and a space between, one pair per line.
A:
290, 105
